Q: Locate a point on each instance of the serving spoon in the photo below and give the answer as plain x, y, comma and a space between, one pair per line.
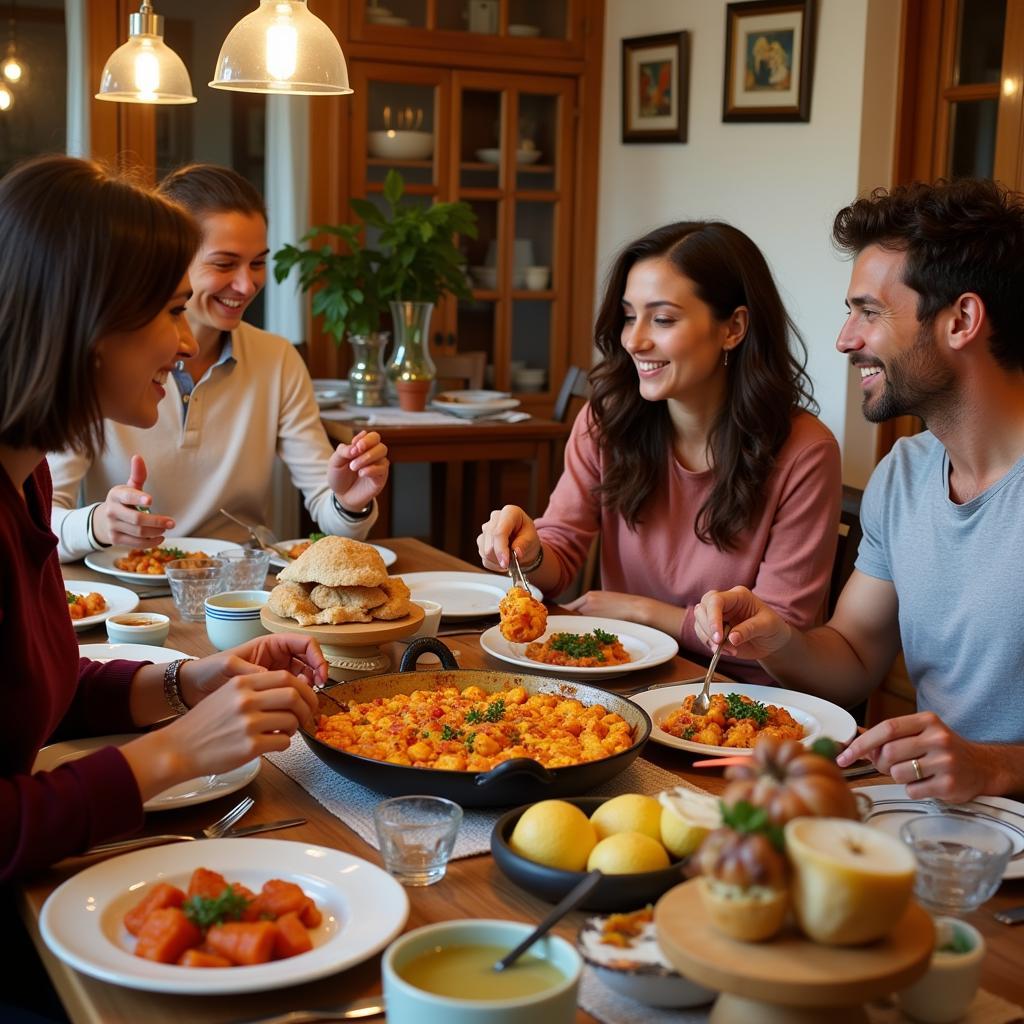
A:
571, 901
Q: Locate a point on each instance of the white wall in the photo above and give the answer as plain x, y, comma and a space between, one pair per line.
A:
781, 183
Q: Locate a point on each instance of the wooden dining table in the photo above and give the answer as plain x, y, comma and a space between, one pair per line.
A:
465, 461
472, 888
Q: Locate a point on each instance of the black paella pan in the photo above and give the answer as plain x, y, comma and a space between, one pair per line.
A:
518, 781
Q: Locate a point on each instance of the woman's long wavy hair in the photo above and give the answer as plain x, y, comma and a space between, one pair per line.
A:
765, 382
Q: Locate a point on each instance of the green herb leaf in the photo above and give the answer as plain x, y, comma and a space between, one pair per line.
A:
205, 912
495, 711
474, 716
470, 740
448, 733
826, 747
740, 707
744, 817
582, 645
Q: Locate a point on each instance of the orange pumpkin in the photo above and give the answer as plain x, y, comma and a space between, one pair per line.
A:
743, 859
789, 781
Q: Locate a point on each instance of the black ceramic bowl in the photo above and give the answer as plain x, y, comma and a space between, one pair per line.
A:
613, 892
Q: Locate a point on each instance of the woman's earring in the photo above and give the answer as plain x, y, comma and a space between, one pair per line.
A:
725, 361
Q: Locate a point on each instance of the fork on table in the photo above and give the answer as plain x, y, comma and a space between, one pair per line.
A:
215, 831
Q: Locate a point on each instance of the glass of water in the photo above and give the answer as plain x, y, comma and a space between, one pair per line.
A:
416, 835
246, 567
960, 860
192, 581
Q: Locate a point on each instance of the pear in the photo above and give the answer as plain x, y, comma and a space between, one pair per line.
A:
687, 816
851, 883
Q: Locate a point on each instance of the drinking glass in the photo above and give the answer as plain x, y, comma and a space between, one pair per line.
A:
416, 835
192, 581
247, 568
960, 861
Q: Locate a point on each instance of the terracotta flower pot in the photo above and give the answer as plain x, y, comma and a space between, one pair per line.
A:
412, 394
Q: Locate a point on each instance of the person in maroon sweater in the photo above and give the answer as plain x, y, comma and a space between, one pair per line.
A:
93, 286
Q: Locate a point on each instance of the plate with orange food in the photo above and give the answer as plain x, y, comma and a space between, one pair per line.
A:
91, 603
298, 545
146, 565
740, 714
158, 901
585, 647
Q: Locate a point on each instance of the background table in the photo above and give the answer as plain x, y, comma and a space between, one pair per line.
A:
473, 887
465, 459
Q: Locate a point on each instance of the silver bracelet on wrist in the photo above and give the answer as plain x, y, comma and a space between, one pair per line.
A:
535, 564
172, 686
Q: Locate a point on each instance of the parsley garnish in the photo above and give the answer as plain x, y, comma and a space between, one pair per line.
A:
582, 645
495, 711
72, 598
688, 733
474, 716
744, 817
314, 537
470, 740
738, 707
205, 912
173, 553
448, 733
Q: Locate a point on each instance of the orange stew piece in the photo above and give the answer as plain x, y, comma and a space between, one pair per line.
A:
200, 958
292, 937
165, 936
243, 942
162, 895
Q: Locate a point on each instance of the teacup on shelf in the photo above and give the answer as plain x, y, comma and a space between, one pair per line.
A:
537, 278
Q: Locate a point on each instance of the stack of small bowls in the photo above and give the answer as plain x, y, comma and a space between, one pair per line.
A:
233, 617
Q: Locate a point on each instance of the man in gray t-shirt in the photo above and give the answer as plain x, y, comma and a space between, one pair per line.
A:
936, 306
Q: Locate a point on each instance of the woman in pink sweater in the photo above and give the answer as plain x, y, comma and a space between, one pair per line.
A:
698, 461
93, 287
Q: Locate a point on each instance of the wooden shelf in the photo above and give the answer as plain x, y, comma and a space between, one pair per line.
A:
383, 161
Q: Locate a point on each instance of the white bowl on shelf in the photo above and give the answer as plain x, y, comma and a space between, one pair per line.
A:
529, 380
524, 31
387, 19
527, 156
485, 277
401, 145
489, 156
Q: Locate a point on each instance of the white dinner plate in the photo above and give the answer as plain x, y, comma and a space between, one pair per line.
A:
195, 791
363, 909
647, 647
890, 807
461, 595
130, 652
471, 404
818, 717
278, 562
103, 561
119, 601
329, 394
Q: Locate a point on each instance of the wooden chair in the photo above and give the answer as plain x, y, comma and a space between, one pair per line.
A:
574, 385
465, 370
849, 541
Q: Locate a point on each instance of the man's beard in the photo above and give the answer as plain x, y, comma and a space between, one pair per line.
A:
915, 382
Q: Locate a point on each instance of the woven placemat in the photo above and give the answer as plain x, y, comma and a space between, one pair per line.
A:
610, 1008
353, 804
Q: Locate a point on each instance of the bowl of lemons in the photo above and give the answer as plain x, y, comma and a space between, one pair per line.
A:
640, 843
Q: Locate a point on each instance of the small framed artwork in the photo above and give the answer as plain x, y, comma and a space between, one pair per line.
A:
769, 60
655, 77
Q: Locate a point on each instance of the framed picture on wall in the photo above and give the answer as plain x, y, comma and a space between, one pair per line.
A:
769, 60
655, 77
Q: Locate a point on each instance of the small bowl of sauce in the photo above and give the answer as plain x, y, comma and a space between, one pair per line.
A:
138, 628
442, 974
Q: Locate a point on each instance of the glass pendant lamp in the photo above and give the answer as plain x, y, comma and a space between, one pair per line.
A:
13, 70
145, 69
6, 98
282, 48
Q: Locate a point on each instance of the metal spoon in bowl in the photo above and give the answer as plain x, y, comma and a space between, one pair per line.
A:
702, 702
571, 901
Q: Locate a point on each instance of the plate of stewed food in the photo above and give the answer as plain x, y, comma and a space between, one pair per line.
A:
300, 545
147, 565
91, 603
739, 715
583, 647
223, 916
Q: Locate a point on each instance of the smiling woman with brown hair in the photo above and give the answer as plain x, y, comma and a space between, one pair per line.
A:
698, 458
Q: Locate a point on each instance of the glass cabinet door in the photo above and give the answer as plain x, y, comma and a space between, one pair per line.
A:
512, 137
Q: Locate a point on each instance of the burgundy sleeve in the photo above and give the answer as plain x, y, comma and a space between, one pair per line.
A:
101, 706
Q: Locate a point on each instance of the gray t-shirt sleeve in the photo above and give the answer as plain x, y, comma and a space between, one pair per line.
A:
873, 553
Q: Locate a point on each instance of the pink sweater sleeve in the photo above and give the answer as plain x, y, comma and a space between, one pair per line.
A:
796, 566
573, 516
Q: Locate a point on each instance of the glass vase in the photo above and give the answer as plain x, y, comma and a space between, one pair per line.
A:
411, 369
367, 378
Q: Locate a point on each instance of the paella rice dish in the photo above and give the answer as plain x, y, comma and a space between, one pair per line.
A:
472, 730
597, 649
733, 720
81, 606
151, 561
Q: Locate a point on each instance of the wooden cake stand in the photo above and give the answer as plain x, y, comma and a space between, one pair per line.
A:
353, 649
789, 980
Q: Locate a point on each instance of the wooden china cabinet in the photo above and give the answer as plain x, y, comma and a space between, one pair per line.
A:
496, 103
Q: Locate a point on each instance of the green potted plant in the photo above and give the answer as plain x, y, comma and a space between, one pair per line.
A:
412, 263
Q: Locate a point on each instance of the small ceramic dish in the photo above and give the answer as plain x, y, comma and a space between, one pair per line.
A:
138, 628
944, 994
233, 617
613, 892
638, 971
